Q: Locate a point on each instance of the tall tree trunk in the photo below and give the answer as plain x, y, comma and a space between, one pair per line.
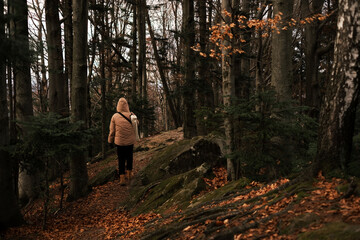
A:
9, 209
103, 82
11, 86
78, 170
240, 65
281, 51
43, 81
311, 56
28, 187
189, 68
179, 46
337, 114
141, 11
68, 36
133, 53
168, 97
204, 90
228, 87
57, 83
58, 100
245, 59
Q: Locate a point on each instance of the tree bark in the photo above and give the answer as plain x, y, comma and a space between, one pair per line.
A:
57, 83
204, 90
141, 13
245, 60
228, 87
281, 51
134, 53
68, 39
103, 83
311, 56
9, 209
168, 97
43, 83
78, 170
189, 68
337, 114
28, 188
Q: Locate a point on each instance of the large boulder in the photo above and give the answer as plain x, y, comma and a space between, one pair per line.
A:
174, 191
181, 157
175, 175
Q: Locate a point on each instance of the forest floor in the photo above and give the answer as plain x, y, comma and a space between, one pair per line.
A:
98, 215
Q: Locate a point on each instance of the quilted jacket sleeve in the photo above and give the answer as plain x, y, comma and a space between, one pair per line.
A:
112, 131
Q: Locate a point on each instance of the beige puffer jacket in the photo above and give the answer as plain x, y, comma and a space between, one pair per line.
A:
121, 131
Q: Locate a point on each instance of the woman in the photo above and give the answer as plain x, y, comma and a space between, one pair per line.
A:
123, 135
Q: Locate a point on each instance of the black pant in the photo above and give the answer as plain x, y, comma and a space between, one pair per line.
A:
125, 154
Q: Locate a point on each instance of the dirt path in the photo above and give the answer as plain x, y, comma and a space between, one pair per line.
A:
96, 216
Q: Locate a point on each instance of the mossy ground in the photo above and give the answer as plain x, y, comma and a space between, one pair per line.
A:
333, 231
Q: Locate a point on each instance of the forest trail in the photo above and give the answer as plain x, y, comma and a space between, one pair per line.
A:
253, 211
96, 216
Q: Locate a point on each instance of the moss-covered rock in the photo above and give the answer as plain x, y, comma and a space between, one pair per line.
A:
173, 191
99, 158
355, 187
104, 176
180, 157
299, 222
219, 193
333, 231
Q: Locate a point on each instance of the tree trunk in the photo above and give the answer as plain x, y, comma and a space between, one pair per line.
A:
78, 170
43, 83
103, 83
141, 11
133, 54
28, 188
57, 84
179, 46
281, 51
9, 209
189, 68
311, 56
204, 91
337, 114
245, 59
68, 36
168, 97
228, 87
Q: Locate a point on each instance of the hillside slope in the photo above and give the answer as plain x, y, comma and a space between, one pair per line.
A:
194, 202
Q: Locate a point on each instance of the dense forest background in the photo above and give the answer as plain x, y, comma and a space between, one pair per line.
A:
277, 80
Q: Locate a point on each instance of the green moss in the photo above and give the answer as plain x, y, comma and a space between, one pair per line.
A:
180, 157
174, 191
301, 195
104, 176
221, 192
299, 222
333, 231
109, 158
160, 194
342, 188
157, 168
303, 186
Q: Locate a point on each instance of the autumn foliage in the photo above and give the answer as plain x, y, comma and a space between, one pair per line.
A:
238, 25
